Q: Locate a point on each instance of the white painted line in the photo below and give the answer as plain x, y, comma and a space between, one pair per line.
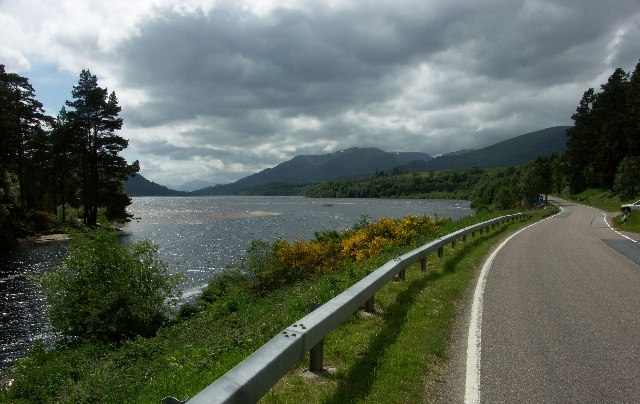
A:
616, 231
605, 220
472, 384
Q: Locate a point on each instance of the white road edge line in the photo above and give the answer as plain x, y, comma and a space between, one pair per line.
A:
472, 384
614, 230
605, 220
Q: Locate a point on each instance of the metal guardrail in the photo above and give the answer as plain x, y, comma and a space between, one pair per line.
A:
248, 381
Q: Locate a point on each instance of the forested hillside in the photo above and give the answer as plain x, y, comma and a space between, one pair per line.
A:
354, 162
516, 151
56, 169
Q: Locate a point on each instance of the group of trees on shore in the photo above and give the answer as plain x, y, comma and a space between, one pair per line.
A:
498, 188
52, 168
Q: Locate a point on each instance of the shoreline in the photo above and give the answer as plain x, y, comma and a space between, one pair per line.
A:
44, 239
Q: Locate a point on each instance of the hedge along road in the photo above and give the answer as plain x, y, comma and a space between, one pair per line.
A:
559, 316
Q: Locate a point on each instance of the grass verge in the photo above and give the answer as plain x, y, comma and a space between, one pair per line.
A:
392, 356
397, 354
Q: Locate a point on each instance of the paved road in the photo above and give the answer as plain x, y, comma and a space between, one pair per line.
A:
561, 315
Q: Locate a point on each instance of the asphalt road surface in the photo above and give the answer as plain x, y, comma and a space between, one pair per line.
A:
561, 315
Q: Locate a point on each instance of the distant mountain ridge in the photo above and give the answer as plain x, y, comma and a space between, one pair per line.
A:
360, 162
349, 163
192, 185
137, 185
511, 152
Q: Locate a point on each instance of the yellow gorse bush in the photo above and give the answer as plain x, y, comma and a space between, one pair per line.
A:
283, 262
355, 245
304, 255
375, 237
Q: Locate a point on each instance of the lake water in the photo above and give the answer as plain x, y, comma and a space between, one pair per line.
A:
198, 237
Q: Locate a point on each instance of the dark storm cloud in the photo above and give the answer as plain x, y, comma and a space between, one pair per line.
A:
437, 76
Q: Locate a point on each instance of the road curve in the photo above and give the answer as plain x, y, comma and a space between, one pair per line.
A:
561, 315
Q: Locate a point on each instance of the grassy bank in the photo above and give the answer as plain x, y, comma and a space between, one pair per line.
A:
599, 198
396, 354
391, 356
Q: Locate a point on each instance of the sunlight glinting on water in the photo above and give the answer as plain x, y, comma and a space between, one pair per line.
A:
197, 237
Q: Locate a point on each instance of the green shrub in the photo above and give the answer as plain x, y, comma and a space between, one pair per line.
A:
262, 266
107, 290
223, 285
41, 221
70, 214
627, 180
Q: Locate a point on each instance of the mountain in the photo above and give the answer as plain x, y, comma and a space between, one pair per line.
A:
457, 153
512, 152
300, 172
137, 185
349, 163
193, 185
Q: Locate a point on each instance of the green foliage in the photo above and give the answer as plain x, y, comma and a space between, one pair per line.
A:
599, 198
262, 266
331, 235
632, 224
67, 214
223, 285
499, 189
627, 181
9, 200
605, 133
444, 184
95, 118
72, 160
267, 267
186, 355
41, 221
108, 291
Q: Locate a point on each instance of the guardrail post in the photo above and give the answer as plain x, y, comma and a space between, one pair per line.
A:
464, 238
402, 275
423, 264
482, 230
453, 244
316, 353
440, 252
369, 305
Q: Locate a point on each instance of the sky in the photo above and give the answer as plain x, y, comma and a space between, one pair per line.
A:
218, 90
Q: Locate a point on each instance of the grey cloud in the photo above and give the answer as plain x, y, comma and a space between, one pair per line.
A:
501, 68
215, 64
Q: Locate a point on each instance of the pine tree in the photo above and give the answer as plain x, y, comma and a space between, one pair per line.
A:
633, 115
22, 122
610, 110
581, 139
102, 169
